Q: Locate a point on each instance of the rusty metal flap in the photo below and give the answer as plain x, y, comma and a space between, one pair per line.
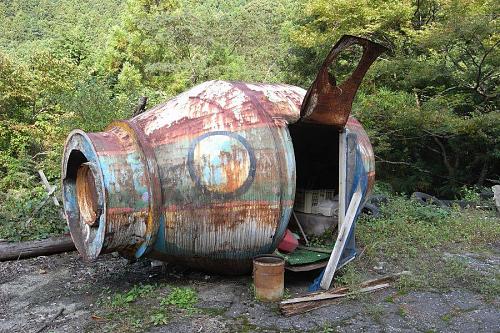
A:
328, 103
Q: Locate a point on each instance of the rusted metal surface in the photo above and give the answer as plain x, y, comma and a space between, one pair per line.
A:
209, 175
86, 194
269, 278
328, 103
206, 179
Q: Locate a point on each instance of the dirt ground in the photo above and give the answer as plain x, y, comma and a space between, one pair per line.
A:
33, 291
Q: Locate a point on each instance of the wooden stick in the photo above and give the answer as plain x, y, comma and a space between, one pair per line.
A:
21, 250
49, 188
320, 299
341, 239
324, 300
340, 290
300, 228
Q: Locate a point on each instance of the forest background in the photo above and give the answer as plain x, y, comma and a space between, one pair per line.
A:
430, 104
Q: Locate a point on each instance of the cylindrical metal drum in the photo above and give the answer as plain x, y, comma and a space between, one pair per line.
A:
207, 178
268, 277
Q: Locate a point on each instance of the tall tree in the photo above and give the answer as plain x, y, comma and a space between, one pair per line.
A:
432, 105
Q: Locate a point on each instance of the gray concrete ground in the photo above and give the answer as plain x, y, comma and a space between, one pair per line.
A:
32, 291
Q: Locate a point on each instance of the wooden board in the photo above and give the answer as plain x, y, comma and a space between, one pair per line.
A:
341, 240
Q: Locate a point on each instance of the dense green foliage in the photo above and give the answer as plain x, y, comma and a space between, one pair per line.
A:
430, 105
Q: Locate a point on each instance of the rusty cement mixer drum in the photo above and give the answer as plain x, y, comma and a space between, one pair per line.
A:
206, 179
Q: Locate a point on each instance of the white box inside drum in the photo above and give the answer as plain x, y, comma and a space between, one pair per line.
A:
306, 200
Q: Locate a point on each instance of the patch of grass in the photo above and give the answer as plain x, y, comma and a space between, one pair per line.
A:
136, 323
327, 329
412, 237
123, 299
447, 317
243, 325
407, 283
389, 299
447, 273
158, 318
405, 228
402, 311
375, 311
349, 276
182, 298
134, 310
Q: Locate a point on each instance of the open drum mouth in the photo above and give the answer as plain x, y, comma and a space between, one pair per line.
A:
83, 195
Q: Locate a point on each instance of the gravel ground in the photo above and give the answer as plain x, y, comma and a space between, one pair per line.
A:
33, 291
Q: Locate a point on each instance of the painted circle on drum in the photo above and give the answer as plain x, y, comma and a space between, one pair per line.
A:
222, 163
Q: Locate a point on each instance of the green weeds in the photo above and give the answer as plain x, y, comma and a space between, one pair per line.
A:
123, 299
158, 318
182, 298
375, 311
408, 236
144, 306
21, 217
402, 312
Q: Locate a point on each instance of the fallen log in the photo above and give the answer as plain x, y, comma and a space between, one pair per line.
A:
29, 249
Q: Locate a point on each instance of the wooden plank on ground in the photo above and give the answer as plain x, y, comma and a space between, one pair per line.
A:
320, 299
324, 299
